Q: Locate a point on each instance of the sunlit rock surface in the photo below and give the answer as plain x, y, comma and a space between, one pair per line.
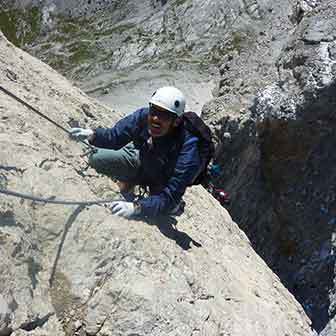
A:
72, 270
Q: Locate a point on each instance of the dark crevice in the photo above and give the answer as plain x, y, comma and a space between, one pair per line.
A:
28, 326
37, 323
101, 326
41, 164
33, 269
12, 168
6, 331
285, 202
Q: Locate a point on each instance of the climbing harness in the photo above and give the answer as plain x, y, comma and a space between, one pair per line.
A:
53, 200
42, 115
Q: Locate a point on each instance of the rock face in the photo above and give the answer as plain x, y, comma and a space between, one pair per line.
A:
81, 271
129, 47
273, 114
277, 157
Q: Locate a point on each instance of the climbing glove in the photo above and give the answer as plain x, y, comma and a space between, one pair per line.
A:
80, 134
124, 209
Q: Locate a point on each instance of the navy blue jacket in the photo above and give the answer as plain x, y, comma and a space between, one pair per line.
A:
168, 164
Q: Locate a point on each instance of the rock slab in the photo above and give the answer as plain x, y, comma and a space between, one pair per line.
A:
82, 271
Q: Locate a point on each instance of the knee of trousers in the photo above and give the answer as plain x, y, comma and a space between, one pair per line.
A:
110, 166
93, 160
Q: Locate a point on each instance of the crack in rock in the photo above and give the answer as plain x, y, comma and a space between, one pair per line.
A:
12, 168
37, 323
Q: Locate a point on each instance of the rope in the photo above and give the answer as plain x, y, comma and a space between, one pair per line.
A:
51, 199
42, 115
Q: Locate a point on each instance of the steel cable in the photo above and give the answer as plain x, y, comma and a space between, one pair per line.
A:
52, 200
41, 114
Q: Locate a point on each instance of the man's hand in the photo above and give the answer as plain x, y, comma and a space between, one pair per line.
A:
81, 134
124, 209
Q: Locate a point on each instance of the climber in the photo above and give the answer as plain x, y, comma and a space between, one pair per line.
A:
149, 147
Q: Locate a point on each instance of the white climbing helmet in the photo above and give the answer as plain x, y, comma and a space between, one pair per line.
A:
169, 98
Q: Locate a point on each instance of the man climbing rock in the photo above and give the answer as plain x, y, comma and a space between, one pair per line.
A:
149, 147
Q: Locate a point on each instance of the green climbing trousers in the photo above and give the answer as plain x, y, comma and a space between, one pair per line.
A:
122, 164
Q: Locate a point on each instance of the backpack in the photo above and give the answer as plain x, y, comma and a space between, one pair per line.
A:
196, 126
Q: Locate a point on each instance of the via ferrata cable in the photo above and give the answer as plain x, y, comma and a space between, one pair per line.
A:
41, 114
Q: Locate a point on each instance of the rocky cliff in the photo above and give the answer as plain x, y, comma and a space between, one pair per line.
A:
120, 50
275, 121
273, 114
74, 270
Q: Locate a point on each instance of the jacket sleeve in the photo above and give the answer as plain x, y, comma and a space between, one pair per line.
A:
187, 168
122, 133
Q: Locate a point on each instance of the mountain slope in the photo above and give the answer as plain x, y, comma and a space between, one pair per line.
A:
74, 270
275, 123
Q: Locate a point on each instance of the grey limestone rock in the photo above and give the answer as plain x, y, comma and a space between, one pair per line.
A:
4, 316
76, 270
278, 165
275, 97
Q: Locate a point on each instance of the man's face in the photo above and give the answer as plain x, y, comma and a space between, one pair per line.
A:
160, 121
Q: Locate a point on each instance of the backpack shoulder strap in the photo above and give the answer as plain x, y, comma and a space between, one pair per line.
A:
196, 125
